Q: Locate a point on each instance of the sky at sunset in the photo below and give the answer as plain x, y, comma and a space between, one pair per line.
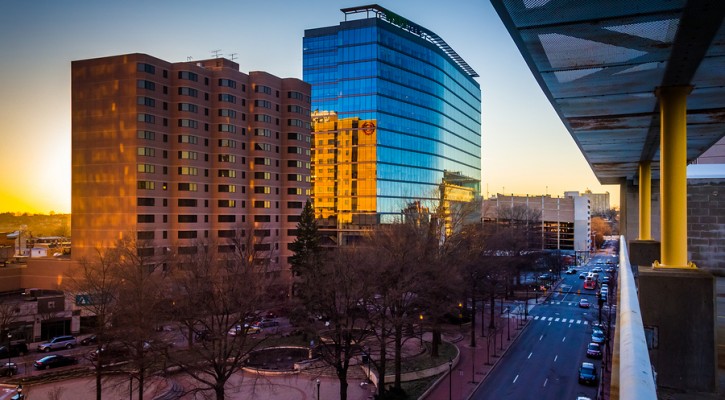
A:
526, 149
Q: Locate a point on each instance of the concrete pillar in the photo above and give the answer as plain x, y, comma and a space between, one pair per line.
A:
645, 201
673, 175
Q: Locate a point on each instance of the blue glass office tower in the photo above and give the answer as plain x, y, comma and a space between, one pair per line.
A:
386, 78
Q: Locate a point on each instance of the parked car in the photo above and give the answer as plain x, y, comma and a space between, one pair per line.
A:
588, 374
93, 339
266, 323
109, 352
584, 303
597, 269
582, 275
246, 329
58, 342
598, 336
54, 361
15, 349
8, 369
594, 350
571, 271
605, 280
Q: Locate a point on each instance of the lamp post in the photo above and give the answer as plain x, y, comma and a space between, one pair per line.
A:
421, 330
450, 379
318, 388
368, 363
10, 336
508, 324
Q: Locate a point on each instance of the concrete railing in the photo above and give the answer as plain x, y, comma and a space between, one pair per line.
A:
633, 376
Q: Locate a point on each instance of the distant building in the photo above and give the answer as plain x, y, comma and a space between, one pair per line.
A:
564, 224
598, 201
396, 115
176, 153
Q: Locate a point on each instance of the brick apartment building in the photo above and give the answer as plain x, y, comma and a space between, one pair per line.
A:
177, 153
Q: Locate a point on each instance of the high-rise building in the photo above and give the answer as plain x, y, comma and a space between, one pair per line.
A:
396, 120
174, 154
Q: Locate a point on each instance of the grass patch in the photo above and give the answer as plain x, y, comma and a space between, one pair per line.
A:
446, 351
415, 389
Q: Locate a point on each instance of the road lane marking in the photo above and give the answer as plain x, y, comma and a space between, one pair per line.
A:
550, 318
530, 354
556, 320
571, 321
517, 377
549, 323
547, 380
563, 339
557, 356
542, 336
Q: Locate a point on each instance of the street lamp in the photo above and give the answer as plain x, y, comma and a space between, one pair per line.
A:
318, 388
450, 379
10, 336
421, 330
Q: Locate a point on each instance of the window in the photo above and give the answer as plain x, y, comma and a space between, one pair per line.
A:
188, 155
227, 128
146, 151
190, 76
263, 118
298, 123
262, 132
145, 201
187, 202
226, 233
148, 135
145, 168
262, 247
262, 175
145, 218
226, 188
191, 139
262, 161
145, 101
187, 234
262, 233
227, 173
146, 185
230, 158
295, 150
298, 110
262, 189
262, 204
187, 219
263, 89
296, 136
295, 191
227, 83
148, 235
262, 218
188, 171
226, 218
225, 112
295, 163
187, 187
188, 123
294, 218
263, 103
263, 146
187, 91
148, 68
226, 203
188, 107
294, 204
227, 98
227, 143
144, 84
147, 118
294, 177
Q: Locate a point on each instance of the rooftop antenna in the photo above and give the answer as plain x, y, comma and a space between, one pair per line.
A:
189, 58
216, 53
233, 56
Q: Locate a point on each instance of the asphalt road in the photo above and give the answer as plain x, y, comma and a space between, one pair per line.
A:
544, 361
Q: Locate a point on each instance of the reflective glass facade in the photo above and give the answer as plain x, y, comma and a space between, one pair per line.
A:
420, 109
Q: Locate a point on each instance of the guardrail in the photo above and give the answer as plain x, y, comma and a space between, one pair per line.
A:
635, 374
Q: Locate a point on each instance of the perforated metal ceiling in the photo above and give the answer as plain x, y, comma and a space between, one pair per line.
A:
599, 63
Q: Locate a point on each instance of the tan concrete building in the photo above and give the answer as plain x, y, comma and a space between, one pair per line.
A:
177, 153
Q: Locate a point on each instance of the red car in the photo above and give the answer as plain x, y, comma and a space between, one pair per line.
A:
594, 350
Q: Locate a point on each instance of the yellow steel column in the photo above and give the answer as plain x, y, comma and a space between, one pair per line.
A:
645, 200
673, 175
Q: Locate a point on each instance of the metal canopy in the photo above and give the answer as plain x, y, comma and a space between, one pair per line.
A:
599, 63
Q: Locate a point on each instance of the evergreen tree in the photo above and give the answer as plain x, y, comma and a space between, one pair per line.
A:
306, 247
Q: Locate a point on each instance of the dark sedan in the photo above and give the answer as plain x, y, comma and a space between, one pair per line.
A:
594, 350
93, 339
54, 361
588, 374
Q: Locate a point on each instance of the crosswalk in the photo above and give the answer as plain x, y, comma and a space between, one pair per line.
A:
559, 319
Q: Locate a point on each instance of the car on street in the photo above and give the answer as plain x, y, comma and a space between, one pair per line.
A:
582, 275
588, 374
15, 349
8, 369
571, 271
605, 280
594, 350
266, 323
584, 303
54, 361
245, 329
58, 342
89, 340
597, 269
109, 352
598, 336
